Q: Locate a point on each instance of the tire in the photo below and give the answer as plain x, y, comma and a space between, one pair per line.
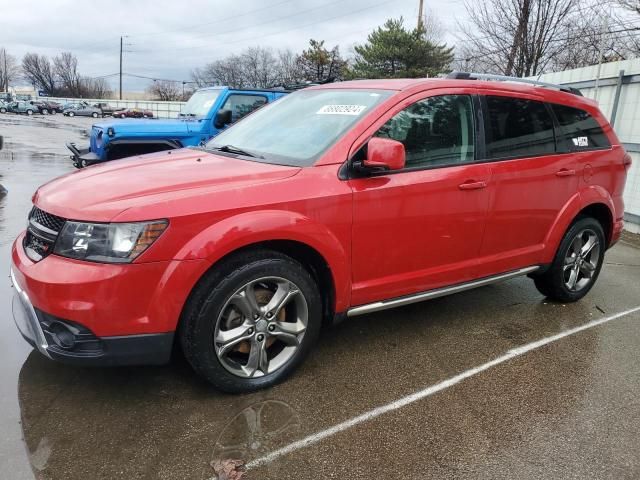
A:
53, 112
123, 116
29, 112
94, 115
3, 110
211, 308
71, 114
578, 262
44, 111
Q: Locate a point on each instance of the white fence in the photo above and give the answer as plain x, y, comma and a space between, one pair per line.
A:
159, 109
616, 88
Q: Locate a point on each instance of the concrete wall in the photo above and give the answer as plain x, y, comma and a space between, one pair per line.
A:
159, 109
627, 119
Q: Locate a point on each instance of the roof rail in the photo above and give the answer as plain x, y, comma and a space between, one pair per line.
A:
504, 78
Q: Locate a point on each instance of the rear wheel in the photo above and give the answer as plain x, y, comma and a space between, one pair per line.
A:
71, 114
251, 321
45, 111
577, 263
29, 112
3, 110
94, 115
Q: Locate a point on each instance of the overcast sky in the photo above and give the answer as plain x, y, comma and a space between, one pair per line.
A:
169, 38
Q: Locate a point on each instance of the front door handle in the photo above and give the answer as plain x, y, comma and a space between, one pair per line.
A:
471, 185
565, 172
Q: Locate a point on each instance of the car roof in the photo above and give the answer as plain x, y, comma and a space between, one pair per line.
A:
421, 84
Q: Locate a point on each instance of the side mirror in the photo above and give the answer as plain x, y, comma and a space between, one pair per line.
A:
385, 154
223, 117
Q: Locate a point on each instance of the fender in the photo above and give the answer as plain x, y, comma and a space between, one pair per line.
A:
249, 228
590, 195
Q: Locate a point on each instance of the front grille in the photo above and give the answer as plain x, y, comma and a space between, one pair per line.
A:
42, 233
47, 220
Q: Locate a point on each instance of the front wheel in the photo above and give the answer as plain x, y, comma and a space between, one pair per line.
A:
29, 112
577, 263
251, 321
70, 114
94, 115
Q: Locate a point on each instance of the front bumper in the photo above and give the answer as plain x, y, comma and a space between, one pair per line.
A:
82, 157
71, 343
113, 314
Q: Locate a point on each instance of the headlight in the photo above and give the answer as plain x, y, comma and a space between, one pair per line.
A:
107, 242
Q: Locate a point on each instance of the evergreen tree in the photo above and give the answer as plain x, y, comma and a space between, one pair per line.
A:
392, 51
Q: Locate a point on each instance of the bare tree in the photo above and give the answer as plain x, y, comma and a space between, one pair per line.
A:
95, 88
9, 69
260, 67
37, 69
289, 68
165, 90
517, 37
66, 68
633, 5
228, 71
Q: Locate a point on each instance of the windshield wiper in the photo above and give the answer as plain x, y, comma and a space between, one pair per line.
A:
237, 151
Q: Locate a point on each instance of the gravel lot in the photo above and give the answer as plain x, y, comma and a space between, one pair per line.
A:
568, 407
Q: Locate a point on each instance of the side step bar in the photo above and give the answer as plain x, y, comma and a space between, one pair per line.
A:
436, 293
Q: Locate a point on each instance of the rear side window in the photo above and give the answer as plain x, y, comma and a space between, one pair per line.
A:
578, 130
518, 128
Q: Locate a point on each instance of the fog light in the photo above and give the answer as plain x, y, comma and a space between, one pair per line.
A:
62, 336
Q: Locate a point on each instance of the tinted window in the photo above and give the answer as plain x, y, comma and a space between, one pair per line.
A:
241, 105
578, 130
518, 128
435, 131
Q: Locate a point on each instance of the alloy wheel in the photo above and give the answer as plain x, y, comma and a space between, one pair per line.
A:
581, 260
260, 327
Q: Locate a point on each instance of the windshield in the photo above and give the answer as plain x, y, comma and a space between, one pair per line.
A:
200, 103
298, 128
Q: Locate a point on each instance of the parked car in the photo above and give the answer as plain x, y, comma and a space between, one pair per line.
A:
207, 113
47, 107
25, 107
336, 201
4, 107
132, 113
107, 110
82, 110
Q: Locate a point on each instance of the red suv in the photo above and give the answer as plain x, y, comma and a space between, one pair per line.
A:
334, 201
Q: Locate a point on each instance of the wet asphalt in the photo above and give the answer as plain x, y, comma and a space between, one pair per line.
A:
570, 409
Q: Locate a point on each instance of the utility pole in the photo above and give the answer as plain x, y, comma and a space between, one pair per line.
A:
120, 68
420, 13
6, 72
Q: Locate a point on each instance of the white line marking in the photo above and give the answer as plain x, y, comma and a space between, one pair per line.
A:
414, 397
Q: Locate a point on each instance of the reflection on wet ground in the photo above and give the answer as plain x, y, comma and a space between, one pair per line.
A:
567, 410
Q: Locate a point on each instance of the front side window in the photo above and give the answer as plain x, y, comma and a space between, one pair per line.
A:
578, 130
516, 127
241, 105
436, 131
299, 127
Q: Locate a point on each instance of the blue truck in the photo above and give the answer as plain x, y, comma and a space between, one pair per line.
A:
207, 113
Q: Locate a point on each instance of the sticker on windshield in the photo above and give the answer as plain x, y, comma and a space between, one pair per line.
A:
341, 110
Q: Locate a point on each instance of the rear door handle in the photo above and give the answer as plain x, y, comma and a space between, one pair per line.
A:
565, 173
472, 185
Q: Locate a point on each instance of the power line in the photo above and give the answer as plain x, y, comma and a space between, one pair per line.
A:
254, 37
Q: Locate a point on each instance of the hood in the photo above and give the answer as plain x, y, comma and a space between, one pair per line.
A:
146, 127
164, 180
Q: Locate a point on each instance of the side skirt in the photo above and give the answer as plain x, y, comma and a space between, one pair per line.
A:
438, 292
